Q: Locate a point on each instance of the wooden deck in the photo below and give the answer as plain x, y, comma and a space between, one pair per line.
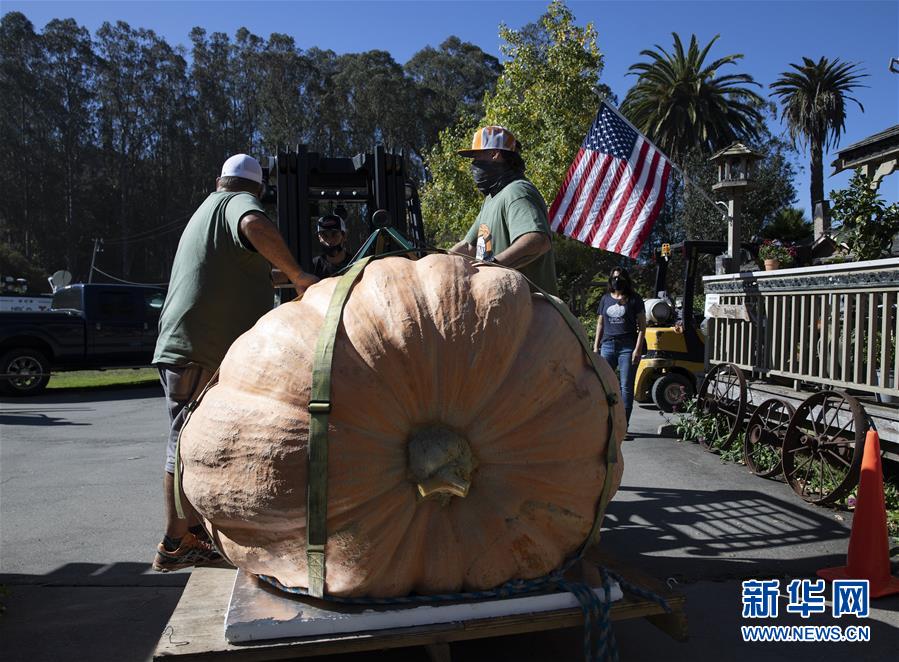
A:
196, 628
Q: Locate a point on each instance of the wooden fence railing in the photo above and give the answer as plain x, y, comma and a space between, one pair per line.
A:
835, 325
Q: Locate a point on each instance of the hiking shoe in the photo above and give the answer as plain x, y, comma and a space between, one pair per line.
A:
190, 552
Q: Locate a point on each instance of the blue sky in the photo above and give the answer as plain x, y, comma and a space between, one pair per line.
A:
771, 34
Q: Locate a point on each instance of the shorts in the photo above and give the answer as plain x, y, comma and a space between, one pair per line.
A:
182, 385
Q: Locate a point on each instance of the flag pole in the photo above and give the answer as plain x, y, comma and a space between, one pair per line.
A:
687, 180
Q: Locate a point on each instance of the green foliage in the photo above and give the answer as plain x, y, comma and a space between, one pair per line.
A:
449, 200
772, 249
865, 222
104, 378
452, 82
683, 103
694, 425
16, 265
813, 98
546, 96
788, 225
891, 497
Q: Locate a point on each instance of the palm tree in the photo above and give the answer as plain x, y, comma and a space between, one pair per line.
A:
681, 103
814, 104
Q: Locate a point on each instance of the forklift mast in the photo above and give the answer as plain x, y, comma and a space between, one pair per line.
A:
691, 250
377, 180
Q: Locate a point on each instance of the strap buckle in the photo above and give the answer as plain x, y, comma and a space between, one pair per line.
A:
315, 569
319, 407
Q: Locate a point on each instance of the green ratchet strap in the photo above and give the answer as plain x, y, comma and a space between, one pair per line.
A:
319, 410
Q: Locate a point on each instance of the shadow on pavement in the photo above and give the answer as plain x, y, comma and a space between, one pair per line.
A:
37, 417
701, 534
94, 394
86, 611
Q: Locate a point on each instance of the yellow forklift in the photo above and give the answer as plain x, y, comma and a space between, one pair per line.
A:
674, 362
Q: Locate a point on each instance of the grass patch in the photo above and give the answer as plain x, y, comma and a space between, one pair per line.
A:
104, 378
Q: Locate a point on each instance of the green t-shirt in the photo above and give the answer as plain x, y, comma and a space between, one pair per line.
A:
219, 285
517, 210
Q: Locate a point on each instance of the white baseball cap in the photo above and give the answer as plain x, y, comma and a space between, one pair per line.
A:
243, 165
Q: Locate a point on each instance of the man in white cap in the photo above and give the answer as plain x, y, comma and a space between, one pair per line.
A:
221, 284
512, 227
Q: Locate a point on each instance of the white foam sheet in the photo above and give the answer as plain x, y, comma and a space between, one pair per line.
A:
256, 612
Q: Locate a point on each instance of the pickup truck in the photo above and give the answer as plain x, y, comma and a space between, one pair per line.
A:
88, 326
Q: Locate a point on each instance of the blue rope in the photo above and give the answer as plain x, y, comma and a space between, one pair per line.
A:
599, 638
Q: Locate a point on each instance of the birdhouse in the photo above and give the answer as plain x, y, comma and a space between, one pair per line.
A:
736, 167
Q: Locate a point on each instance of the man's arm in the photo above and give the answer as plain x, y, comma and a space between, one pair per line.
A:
524, 250
465, 248
265, 238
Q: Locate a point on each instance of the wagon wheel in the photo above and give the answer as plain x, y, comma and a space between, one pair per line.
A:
764, 436
823, 445
722, 397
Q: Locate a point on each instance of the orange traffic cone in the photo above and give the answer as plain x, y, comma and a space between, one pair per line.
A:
869, 553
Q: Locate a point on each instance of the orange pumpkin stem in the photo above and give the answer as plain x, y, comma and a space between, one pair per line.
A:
440, 462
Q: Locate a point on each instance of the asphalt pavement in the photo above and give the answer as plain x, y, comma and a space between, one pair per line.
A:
81, 513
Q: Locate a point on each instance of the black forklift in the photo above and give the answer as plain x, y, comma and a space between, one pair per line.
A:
373, 192
674, 362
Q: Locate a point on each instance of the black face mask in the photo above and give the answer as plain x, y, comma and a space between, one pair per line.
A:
331, 251
615, 283
491, 176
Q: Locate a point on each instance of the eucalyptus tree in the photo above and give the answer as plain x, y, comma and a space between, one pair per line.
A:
451, 80
69, 105
376, 100
813, 97
23, 134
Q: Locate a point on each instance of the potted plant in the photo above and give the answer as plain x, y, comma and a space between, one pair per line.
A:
776, 255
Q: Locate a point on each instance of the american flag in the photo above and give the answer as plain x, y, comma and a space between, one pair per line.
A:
614, 188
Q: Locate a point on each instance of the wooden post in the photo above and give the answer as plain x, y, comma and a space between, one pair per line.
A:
734, 253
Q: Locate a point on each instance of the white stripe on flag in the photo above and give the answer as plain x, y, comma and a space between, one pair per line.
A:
617, 194
638, 190
586, 191
569, 192
647, 208
607, 169
597, 204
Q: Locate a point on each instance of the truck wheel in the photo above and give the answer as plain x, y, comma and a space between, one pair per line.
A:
670, 390
28, 372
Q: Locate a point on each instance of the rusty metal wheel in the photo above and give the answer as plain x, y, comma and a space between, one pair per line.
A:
764, 436
722, 398
823, 446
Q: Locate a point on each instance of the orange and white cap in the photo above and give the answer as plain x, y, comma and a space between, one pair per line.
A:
491, 137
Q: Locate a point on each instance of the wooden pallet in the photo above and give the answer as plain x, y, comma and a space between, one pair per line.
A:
196, 628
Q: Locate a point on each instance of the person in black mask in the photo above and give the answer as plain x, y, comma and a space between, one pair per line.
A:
620, 326
332, 238
511, 228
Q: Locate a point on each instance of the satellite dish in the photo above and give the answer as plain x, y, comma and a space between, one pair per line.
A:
60, 279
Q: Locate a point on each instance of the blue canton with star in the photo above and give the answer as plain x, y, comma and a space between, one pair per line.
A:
610, 135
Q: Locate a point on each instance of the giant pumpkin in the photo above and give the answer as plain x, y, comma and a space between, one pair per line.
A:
467, 438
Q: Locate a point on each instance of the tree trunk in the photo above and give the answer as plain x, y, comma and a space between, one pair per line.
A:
816, 185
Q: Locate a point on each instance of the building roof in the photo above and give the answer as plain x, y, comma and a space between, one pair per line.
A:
736, 148
873, 149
